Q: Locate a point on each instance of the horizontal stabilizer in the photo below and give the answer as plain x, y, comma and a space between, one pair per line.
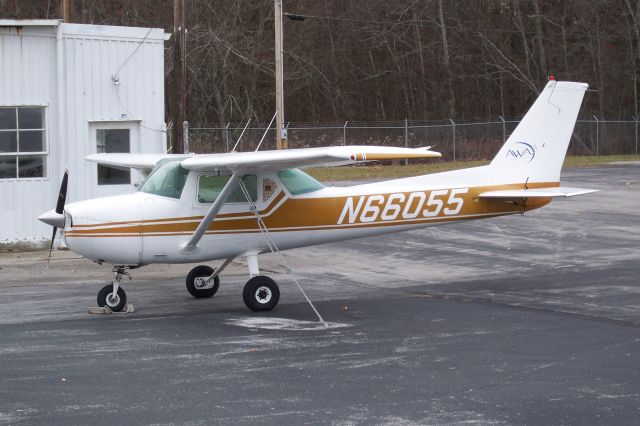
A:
558, 191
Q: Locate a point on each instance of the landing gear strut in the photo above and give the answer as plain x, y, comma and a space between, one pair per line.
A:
112, 295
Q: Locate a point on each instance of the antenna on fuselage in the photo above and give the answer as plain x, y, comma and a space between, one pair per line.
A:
241, 134
266, 130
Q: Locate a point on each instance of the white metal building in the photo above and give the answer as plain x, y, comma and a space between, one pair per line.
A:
66, 91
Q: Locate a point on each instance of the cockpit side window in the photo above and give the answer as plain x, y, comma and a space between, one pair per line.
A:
210, 186
298, 182
167, 180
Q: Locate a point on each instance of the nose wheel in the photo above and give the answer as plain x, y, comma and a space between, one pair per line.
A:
112, 296
261, 293
116, 302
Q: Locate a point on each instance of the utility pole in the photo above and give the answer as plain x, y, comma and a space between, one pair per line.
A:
180, 74
281, 136
66, 10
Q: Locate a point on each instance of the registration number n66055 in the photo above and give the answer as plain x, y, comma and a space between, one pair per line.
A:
406, 206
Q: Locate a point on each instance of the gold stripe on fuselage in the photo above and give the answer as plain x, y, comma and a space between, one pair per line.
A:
345, 212
289, 229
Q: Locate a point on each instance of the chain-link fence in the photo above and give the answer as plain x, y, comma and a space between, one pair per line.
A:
456, 140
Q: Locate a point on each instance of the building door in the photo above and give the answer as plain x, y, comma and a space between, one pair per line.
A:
111, 138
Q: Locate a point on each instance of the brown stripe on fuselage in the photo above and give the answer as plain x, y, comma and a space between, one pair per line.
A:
266, 210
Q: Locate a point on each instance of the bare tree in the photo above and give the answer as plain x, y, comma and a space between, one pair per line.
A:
386, 59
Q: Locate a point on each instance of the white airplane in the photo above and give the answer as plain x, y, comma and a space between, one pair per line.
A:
200, 208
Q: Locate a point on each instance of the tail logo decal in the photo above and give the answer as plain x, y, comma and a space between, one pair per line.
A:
522, 151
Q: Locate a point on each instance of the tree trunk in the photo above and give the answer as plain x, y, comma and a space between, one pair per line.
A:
540, 39
446, 60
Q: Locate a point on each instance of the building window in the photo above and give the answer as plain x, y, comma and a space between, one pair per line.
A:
23, 147
112, 141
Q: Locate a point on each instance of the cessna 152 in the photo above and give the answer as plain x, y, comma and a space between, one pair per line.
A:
199, 208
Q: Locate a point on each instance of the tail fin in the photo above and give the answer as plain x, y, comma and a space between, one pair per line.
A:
536, 149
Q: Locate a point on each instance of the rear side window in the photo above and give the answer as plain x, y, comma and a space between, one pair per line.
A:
298, 182
210, 187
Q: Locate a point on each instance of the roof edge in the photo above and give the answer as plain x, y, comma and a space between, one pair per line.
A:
29, 22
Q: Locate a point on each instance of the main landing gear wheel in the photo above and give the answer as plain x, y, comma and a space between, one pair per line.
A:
116, 302
261, 293
197, 285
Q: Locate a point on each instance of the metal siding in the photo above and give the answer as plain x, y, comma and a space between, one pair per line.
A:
26, 78
91, 54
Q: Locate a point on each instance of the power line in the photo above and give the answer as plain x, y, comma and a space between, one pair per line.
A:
133, 52
133, 116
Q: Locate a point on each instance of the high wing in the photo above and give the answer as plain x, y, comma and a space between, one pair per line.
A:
305, 157
241, 162
261, 160
141, 162
537, 193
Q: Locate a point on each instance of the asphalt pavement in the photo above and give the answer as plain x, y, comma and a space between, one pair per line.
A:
530, 319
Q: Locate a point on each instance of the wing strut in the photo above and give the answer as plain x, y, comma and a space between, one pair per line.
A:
192, 244
274, 249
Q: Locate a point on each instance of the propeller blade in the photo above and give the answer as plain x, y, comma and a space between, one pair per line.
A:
62, 196
53, 237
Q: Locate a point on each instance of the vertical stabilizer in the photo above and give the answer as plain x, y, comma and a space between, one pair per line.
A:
536, 149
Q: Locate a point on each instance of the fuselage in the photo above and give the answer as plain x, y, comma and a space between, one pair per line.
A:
144, 228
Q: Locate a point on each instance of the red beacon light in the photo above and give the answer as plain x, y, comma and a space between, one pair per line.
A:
552, 78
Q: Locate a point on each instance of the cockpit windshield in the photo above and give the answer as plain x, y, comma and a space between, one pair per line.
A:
167, 180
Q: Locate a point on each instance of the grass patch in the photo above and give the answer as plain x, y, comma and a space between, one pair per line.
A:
379, 171
588, 161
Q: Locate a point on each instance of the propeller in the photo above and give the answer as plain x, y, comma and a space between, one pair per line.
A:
62, 198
